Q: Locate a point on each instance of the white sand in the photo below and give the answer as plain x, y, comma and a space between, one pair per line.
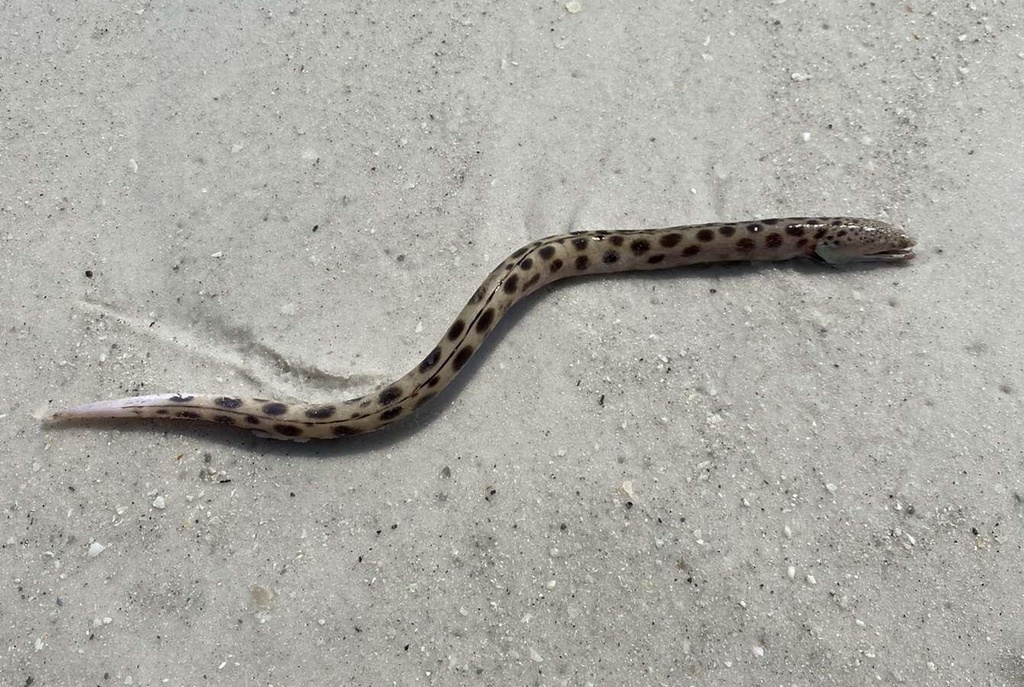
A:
748, 475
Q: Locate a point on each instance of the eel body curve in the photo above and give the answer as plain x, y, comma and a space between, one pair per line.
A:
830, 240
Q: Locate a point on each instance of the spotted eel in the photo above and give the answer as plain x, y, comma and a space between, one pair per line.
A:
830, 240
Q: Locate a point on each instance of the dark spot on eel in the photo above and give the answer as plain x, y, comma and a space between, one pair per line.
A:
391, 413
546, 252
690, 251
456, 330
745, 245
461, 357
582, 262
223, 419
610, 257
616, 240
180, 399
705, 235
485, 321
275, 409
580, 243
639, 247
320, 412
773, 240
189, 415
288, 430
344, 431
430, 360
526, 264
556, 265
511, 284
727, 230
252, 419
794, 231
670, 240
389, 395
226, 402
655, 259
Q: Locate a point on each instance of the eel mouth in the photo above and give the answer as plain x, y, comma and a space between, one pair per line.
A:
890, 251
892, 254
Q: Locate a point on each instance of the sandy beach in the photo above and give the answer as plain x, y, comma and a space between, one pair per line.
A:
753, 474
